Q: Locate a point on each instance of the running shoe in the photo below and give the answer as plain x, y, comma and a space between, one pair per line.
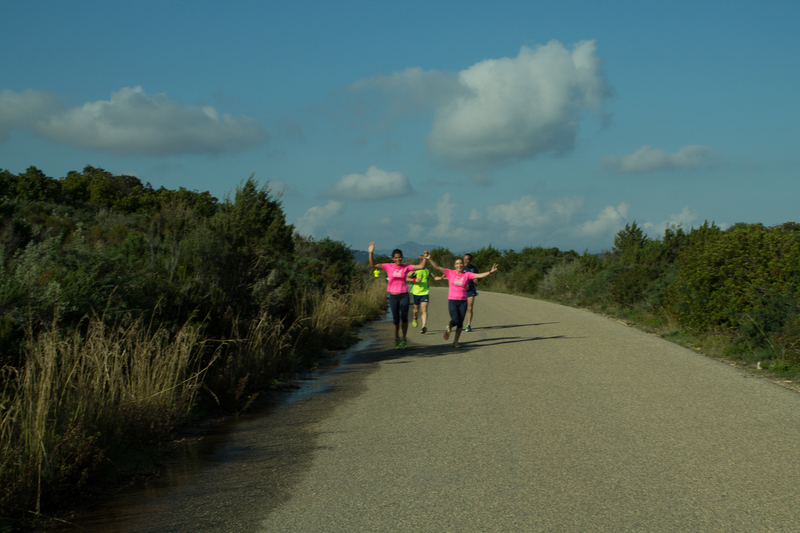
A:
456, 345
469, 328
403, 344
415, 321
424, 329
397, 345
447, 333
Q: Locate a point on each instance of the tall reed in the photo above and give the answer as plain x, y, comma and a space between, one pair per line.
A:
86, 398
81, 396
334, 313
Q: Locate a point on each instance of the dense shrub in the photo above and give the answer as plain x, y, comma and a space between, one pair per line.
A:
631, 283
724, 277
120, 304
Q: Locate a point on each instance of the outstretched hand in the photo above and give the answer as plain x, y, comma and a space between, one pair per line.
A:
371, 247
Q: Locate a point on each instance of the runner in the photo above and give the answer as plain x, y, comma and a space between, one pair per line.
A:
458, 280
420, 292
398, 291
472, 290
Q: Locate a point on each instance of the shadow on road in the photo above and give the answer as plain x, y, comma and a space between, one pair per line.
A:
508, 340
516, 325
394, 357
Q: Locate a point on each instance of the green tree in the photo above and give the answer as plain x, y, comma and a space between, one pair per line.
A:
725, 275
629, 243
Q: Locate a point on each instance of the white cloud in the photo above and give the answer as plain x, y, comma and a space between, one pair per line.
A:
503, 109
522, 220
410, 91
443, 223
683, 219
282, 188
610, 220
376, 183
317, 216
648, 159
526, 212
521, 107
22, 110
131, 122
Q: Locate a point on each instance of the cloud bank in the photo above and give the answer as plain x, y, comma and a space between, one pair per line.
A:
131, 122
318, 216
524, 219
501, 110
649, 159
376, 183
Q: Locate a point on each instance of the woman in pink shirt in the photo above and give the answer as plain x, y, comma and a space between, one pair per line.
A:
458, 280
398, 291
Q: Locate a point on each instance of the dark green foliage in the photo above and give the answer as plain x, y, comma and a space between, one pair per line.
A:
770, 316
443, 257
722, 278
742, 282
94, 242
108, 247
629, 243
655, 291
596, 287
524, 281
631, 283
325, 263
525, 269
486, 257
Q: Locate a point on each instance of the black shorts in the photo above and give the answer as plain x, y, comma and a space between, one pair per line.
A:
420, 298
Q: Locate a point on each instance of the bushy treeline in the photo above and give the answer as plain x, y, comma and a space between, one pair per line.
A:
124, 307
740, 285
95, 242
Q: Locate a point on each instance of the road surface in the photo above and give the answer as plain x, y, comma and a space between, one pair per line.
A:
547, 419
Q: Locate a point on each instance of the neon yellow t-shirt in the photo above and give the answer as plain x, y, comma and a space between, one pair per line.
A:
420, 288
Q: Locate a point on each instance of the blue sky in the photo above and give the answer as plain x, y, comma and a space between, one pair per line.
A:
449, 123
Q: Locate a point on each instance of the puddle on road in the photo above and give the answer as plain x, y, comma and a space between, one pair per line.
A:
221, 443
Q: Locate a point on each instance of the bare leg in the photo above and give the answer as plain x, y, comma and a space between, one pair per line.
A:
396, 331
405, 329
470, 303
424, 307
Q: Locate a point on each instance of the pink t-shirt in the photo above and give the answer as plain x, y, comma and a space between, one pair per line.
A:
397, 276
458, 284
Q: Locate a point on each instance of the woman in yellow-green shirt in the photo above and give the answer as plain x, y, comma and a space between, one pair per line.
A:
419, 291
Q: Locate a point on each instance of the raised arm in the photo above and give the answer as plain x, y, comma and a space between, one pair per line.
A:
421, 264
433, 263
371, 249
484, 274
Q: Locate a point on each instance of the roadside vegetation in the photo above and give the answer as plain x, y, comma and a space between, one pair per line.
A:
128, 313
733, 293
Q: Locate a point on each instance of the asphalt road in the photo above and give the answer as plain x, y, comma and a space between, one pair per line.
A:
547, 419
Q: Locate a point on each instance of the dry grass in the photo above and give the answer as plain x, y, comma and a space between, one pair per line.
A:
333, 313
83, 398
251, 361
79, 395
